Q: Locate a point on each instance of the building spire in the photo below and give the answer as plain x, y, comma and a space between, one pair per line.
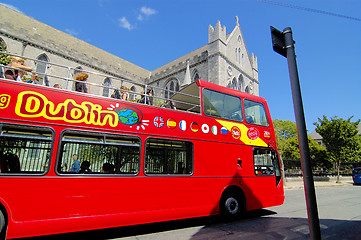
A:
187, 77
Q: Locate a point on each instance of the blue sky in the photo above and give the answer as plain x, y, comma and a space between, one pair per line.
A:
153, 33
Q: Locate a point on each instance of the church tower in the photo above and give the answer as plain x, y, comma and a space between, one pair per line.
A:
229, 63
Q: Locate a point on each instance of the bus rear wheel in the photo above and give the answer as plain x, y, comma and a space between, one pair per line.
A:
2, 226
232, 206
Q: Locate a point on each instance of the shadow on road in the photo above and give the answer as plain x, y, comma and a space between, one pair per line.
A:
259, 224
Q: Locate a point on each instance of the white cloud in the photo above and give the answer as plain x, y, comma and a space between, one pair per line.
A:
124, 23
146, 12
12, 7
140, 17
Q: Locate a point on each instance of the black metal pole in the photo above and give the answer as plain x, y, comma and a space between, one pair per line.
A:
313, 220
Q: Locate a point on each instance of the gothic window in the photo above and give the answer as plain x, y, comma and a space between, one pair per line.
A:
233, 84
41, 67
106, 87
247, 90
132, 95
171, 87
240, 83
195, 76
236, 52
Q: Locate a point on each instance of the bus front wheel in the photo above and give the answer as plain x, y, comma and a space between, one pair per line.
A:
232, 206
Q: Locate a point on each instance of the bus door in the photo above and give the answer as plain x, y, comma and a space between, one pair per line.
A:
267, 172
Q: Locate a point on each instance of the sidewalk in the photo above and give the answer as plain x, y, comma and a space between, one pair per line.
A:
297, 182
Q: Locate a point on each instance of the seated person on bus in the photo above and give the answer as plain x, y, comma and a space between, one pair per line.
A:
10, 163
85, 167
107, 168
14, 74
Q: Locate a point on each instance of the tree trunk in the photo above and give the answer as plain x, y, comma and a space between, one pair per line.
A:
338, 163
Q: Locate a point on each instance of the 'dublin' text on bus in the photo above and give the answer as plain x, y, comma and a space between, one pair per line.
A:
75, 161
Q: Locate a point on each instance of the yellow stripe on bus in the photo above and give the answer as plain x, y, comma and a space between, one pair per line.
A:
244, 138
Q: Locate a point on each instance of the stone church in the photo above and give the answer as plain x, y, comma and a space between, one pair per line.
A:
224, 60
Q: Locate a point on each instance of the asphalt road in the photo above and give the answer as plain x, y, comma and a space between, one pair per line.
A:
339, 209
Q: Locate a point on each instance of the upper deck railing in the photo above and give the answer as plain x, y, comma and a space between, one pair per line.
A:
105, 85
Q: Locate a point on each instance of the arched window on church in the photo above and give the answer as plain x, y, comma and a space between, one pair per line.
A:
41, 68
247, 90
195, 76
236, 54
107, 87
233, 84
133, 89
240, 83
171, 87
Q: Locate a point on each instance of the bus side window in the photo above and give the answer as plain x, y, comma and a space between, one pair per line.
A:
98, 154
24, 149
217, 104
169, 157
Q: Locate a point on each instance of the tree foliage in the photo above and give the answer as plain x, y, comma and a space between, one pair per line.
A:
341, 140
288, 147
284, 130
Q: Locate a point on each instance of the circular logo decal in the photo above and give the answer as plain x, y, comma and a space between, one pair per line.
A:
214, 130
183, 125
158, 122
171, 123
267, 135
224, 131
194, 127
253, 133
236, 133
205, 128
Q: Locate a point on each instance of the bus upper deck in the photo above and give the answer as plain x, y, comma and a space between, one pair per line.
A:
243, 116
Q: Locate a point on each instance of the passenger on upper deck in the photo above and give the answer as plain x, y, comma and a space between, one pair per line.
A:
14, 74
124, 93
57, 85
148, 98
82, 86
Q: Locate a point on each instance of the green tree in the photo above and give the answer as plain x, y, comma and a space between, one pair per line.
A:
341, 140
288, 147
4, 60
285, 130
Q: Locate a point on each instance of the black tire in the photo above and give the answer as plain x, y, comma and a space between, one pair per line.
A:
2, 226
232, 206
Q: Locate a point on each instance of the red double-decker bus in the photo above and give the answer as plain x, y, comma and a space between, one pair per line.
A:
74, 161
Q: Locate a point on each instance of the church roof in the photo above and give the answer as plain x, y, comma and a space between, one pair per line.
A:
19, 26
